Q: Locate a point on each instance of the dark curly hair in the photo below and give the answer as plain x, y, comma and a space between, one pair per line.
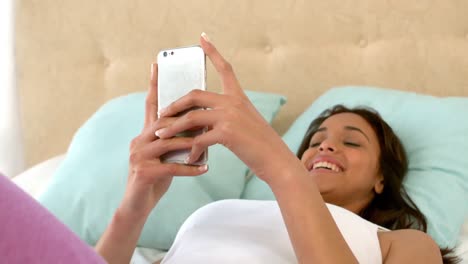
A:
393, 208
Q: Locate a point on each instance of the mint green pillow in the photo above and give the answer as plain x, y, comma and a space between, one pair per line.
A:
89, 184
434, 132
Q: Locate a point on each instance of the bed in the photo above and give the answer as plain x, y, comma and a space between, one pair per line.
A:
74, 56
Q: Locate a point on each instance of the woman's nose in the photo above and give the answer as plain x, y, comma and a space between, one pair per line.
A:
327, 146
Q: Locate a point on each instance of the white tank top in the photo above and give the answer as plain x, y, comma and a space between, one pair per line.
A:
247, 231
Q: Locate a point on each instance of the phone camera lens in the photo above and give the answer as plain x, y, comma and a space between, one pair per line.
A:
165, 54
172, 53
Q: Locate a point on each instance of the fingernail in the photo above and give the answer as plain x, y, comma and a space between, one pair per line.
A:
205, 37
203, 167
159, 132
152, 70
187, 160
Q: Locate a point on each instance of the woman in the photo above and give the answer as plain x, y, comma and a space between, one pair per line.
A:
347, 164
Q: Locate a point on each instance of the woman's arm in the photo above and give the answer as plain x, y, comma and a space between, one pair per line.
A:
120, 238
409, 246
148, 180
311, 228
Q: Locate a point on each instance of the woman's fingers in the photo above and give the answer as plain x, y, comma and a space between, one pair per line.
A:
175, 169
195, 118
223, 67
148, 135
151, 106
196, 98
201, 144
152, 172
159, 147
148, 165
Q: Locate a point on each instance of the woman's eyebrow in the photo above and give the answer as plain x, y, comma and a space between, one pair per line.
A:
357, 129
321, 129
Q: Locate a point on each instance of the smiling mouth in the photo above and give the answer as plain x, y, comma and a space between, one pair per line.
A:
327, 166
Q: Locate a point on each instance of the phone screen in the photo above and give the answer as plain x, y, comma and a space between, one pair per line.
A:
181, 70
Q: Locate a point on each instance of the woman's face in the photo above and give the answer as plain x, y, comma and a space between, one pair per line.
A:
343, 159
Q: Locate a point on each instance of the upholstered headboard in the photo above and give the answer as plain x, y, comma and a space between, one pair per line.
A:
72, 56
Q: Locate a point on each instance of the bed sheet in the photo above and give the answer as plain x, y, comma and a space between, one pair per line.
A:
35, 180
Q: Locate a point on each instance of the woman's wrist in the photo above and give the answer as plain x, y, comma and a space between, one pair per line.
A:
131, 214
138, 202
120, 238
280, 166
124, 217
290, 172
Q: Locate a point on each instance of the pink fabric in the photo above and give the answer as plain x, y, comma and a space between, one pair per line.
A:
30, 234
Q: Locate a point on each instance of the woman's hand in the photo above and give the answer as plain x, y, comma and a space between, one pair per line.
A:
233, 121
148, 180
148, 177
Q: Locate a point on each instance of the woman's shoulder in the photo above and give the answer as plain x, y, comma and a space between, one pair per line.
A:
408, 245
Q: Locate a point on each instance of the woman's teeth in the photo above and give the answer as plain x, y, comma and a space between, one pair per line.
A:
326, 165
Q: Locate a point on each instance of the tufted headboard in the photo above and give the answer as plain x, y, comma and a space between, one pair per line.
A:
72, 56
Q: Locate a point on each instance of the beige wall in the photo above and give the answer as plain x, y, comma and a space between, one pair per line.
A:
74, 55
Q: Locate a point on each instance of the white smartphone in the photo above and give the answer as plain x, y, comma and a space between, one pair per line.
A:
181, 70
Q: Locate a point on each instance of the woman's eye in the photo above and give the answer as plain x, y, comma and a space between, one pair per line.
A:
314, 144
347, 143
